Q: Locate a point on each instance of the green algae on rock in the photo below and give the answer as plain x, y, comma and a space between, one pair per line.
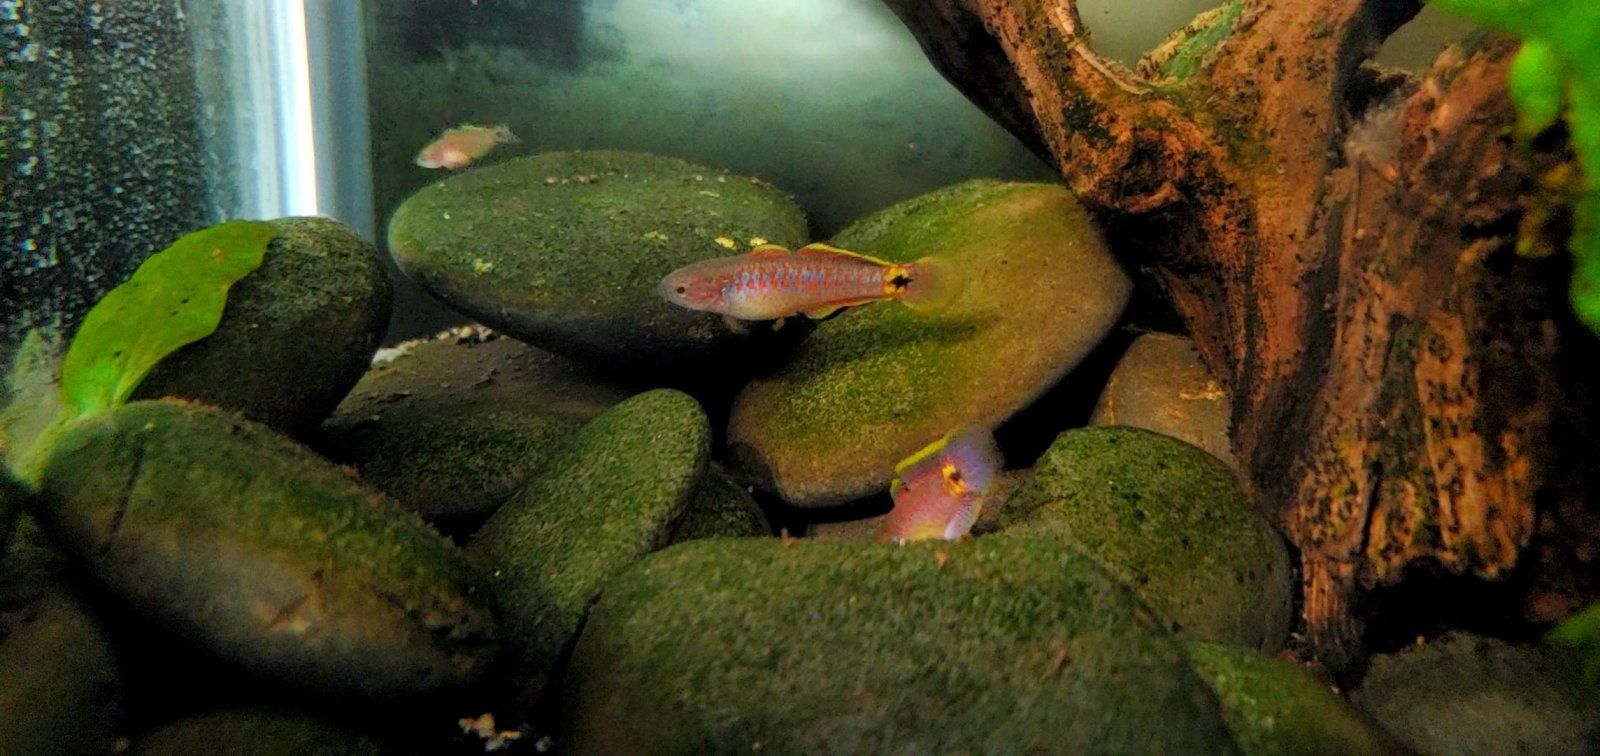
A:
242, 542
59, 682
564, 250
253, 732
880, 382
1161, 385
296, 334
450, 426
1276, 709
1463, 694
607, 499
720, 507
1005, 644
1172, 522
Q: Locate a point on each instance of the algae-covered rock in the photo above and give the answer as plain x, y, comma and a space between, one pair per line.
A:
450, 426
1463, 694
296, 333
1170, 520
254, 732
1276, 709
249, 546
1161, 385
720, 507
881, 381
564, 250
59, 685
1004, 644
610, 497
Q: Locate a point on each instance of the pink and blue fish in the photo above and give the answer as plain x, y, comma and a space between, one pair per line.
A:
940, 491
817, 280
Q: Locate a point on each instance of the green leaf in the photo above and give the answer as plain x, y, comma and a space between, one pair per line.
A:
1581, 631
1535, 84
174, 298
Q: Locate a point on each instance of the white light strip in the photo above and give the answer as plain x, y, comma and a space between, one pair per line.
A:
297, 149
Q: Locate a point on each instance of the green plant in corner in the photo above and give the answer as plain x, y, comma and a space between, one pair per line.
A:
1558, 68
174, 298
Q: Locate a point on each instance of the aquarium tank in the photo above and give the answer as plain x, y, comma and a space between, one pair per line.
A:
799, 376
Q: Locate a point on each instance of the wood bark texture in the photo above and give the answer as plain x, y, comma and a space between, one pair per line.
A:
1342, 243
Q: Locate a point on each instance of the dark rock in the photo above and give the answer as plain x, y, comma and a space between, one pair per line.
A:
296, 333
452, 425
564, 250
254, 732
1276, 709
59, 685
1170, 520
224, 533
1161, 385
1002, 644
720, 507
1463, 694
881, 381
607, 499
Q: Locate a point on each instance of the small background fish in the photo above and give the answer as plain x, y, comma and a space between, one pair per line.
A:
458, 147
939, 491
772, 283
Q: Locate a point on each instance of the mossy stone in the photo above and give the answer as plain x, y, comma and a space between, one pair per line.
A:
720, 507
564, 250
607, 499
1275, 709
1160, 384
1463, 694
59, 684
881, 381
1001, 644
246, 544
254, 732
1170, 520
450, 426
295, 335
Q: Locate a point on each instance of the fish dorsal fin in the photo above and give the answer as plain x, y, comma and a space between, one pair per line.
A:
922, 457
767, 251
825, 250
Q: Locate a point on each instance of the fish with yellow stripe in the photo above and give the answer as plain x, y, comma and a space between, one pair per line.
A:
772, 283
940, 491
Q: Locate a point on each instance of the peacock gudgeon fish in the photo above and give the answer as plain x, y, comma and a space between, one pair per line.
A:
939, 491
817, 280
458, 147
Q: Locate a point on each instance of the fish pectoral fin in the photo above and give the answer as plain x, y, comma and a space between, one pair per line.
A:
821, 312
828, 250
734, 324
776, 324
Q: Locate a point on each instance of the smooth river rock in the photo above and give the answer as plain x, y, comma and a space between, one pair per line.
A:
295, 335
221, 532
1002, 644
564, 250
881, 381
610, 497
1160, 384
451, 426
1171, 521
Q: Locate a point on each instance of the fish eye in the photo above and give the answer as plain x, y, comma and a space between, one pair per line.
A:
683, 289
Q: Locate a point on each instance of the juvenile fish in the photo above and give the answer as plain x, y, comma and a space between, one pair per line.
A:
939, 491
458, 147
817, 280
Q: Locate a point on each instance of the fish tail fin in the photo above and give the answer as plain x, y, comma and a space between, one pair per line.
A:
503, 133
932, 285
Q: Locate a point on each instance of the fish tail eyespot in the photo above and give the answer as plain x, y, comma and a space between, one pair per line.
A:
929, 285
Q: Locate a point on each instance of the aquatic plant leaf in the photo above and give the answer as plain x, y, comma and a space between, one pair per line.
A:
1581, 631
1561, 50
174, 298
